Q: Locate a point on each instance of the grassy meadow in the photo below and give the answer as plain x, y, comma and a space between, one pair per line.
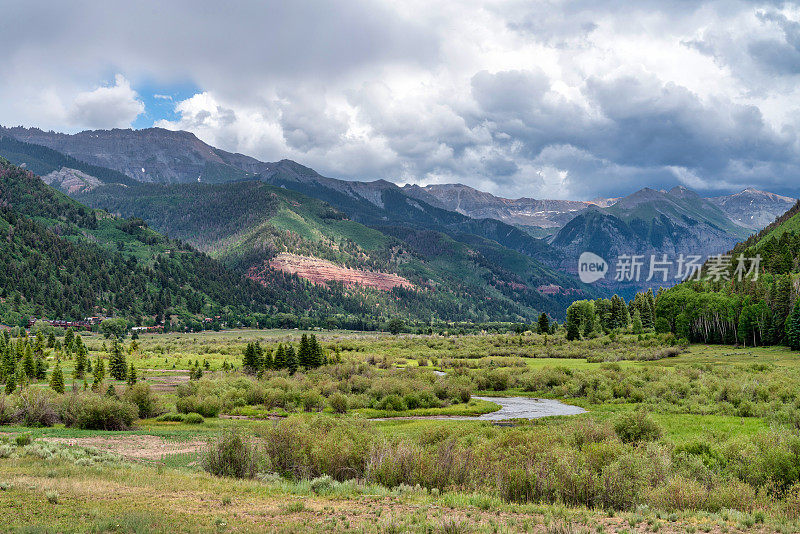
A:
675, 439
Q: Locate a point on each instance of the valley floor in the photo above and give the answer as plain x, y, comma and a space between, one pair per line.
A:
150, 479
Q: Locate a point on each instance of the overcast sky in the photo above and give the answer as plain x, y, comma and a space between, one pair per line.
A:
547, 99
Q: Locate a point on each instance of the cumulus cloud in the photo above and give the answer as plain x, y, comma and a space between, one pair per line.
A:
115, 106
561, 98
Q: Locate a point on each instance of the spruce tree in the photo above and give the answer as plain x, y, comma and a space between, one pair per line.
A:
269, 363
69, 336
28, 363
117, 366
793, 327
573, 331
11, 384
543, 325
291, 359
279, 361
51, 340
132, 375
99, 374
314, 351
20, 376
79, 371
251, 359
304, 353
41, 368
57, 379
637, 322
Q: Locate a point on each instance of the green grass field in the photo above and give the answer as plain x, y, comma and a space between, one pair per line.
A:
150, 478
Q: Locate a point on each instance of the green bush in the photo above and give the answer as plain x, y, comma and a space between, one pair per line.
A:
193, 419
145, 400
6, 411
635, 427
231, 455
205, 406
34, 407
338, 402
103, 413
337, 447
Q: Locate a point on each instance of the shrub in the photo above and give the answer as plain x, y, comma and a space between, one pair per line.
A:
104, 413
636, 426
22, 440
338, 402
231, 456
324, 445
392, 403
679, 493
206, 406
145, 400
193, 419
6, 412
34, 407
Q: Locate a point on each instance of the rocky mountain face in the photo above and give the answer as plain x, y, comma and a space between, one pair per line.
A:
648, 224
71, 181
519, 211
752, 208
149, 155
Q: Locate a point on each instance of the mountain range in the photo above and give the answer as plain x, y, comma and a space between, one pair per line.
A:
132, 172
264, 232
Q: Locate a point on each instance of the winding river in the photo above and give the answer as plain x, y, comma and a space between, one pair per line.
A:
525, 408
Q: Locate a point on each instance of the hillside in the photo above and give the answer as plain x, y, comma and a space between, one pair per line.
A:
247, 224
63, 260
755, 308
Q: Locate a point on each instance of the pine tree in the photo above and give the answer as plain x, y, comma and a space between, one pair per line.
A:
69, 336
793, 327
543, 325
315, 352
57, 379
11, 384
28, 363
132, 375
99, 374
79, 371
111, 391
304, 353
41, 368
117, 366
51, 340
280, 357
637, 322
291, 360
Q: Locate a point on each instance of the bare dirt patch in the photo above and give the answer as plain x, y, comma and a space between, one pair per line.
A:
134, 447
321, 271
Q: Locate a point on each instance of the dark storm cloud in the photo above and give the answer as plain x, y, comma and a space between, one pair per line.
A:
571, 98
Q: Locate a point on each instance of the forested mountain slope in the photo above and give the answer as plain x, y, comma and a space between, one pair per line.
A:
248, 224
760, 307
